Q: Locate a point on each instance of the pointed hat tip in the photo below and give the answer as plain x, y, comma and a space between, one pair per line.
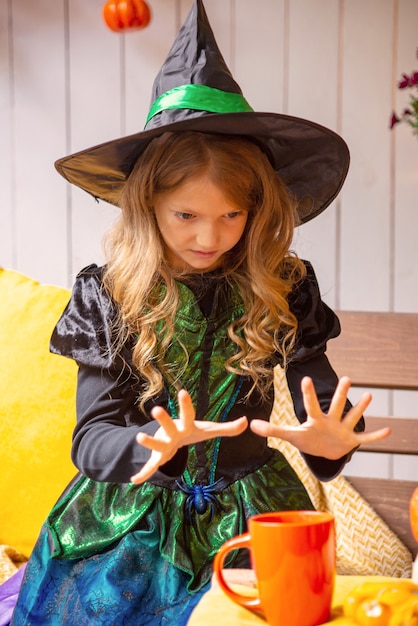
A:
194, 58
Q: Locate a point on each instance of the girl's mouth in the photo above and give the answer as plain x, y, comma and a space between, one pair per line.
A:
204, 255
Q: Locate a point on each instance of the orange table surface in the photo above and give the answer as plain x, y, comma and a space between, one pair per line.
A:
216, 608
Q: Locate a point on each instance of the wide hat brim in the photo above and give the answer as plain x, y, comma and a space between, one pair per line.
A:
312, 160
194, 90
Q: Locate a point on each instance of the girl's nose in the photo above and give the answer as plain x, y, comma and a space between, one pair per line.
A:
207, 236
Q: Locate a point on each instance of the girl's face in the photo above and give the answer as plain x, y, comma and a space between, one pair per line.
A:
198, 224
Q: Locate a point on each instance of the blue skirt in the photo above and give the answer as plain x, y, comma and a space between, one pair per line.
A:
123, 586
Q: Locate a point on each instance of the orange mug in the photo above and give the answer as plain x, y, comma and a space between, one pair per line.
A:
294, 559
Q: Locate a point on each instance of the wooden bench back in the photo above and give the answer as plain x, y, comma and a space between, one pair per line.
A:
380, 350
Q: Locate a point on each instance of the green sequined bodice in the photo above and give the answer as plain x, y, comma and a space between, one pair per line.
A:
199, 349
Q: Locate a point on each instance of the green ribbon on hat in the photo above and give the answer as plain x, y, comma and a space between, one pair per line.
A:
201, 98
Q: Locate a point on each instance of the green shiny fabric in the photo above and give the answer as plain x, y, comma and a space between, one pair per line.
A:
190, 329
200, 98
94, 516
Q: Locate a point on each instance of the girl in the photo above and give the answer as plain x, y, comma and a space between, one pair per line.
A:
176, 339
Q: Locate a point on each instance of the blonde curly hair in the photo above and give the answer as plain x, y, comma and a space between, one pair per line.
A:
261, 265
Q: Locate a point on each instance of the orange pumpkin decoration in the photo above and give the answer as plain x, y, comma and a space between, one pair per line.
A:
120, 15
413, 513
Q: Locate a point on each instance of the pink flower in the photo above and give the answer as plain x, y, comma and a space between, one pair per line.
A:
394, 120
409, 114
405, 82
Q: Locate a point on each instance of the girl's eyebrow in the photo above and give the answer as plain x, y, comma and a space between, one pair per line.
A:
175, 206
182, 210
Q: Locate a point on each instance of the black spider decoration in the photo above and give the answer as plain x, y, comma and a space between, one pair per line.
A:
200, 497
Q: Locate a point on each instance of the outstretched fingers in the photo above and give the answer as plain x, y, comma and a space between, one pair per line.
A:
267, 429
234, 428
187, 411
339, 397
310, 399
176, 433
147, 471
374, 435
152, 443
355, 413
165, 421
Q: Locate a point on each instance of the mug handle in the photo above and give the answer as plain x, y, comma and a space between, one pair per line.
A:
236, 543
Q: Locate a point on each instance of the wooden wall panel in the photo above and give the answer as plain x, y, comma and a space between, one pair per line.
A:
314, 80
145, 51
365, 215
221, 18
7, 205
94, 116
405, 467
183, 8
94, 76
405, 146
38, 136
313, 60
260, 47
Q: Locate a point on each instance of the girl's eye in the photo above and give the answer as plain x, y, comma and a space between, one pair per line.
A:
233, 214
184, 216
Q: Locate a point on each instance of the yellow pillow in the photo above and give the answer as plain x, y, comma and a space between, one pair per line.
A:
37, 408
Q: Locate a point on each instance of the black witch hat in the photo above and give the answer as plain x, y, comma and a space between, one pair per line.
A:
194, 90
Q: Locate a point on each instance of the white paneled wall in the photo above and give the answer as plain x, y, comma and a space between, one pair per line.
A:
67, 83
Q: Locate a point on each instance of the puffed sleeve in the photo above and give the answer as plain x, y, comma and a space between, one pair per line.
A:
104, 447
317, 325
83, 332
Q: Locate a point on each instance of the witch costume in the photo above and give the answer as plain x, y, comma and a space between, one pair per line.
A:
115, 553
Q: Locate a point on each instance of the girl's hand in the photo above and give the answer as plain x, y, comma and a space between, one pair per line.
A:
175, 433
324, 434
